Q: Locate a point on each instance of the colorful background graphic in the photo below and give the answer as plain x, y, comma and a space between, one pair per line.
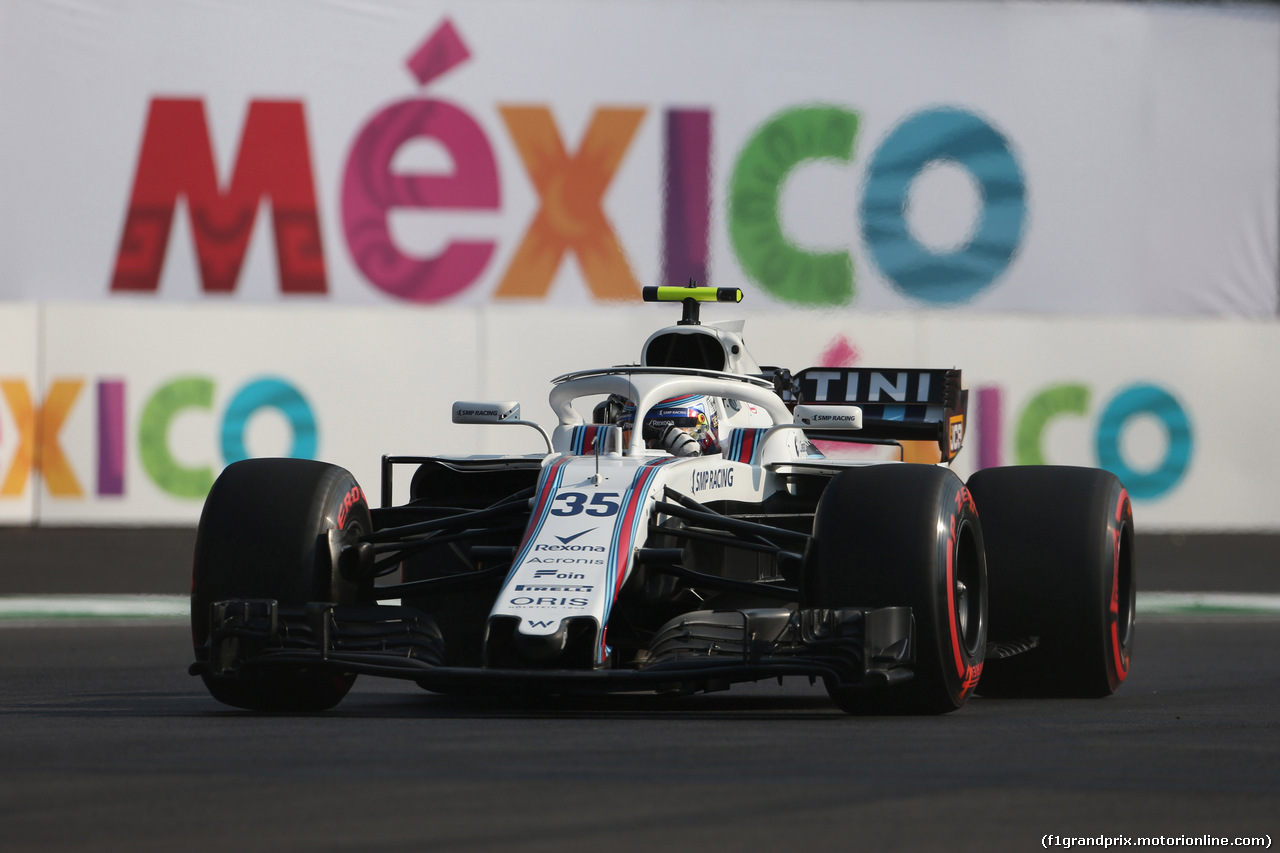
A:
306, 230
1007, 159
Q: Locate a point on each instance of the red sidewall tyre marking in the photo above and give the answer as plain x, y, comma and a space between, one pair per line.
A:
1120, 654
967, 673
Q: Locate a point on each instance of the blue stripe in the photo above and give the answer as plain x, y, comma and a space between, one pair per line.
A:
639, 489
738, 441
549, 485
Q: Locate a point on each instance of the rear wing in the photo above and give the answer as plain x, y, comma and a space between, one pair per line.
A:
899, 405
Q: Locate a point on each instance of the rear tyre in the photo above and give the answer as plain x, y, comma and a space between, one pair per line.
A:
905, 535
264, 534
1061, 564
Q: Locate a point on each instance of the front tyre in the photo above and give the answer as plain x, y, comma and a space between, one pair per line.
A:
264, 534
905, 535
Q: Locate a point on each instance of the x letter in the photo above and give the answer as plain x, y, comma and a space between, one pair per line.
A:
571, 189
38, 429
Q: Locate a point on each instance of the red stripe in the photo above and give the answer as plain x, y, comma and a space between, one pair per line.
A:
544, 498
746, 449
951, 599
1121, 660
968, 675
639, 489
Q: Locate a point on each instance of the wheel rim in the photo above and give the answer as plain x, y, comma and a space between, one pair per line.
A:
1125, 599
967, 592
962, 607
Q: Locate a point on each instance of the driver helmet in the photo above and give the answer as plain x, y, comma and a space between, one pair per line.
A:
693, 414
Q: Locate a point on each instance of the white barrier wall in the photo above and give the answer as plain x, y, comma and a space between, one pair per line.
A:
1073, 158
142, 406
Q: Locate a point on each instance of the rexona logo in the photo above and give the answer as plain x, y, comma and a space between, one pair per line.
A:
40, 426
274, 163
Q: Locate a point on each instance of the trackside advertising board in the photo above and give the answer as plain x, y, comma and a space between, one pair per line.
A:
132, 411
1067, 158
136, 409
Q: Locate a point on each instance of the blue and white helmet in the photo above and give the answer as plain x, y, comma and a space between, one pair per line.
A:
694, 415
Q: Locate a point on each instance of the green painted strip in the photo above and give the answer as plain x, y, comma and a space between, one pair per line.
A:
75, 607
1207, 603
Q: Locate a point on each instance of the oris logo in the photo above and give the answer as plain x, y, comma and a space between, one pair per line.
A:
547, 601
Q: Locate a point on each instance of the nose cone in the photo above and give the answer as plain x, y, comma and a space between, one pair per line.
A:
541, 648
512, 642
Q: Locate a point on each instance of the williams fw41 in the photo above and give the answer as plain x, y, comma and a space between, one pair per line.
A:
681, 533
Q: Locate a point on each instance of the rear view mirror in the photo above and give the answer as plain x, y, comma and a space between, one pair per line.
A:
485, 413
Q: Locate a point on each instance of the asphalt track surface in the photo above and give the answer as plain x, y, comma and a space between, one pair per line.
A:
107, 744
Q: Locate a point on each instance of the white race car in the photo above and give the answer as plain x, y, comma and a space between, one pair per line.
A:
681, 533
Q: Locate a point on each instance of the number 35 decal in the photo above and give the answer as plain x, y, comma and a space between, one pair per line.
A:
602, 504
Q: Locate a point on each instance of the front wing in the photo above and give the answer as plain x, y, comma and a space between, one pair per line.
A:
698, 651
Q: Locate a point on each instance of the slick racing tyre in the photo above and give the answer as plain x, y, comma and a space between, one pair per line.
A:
905, 535
1061, 567
263, 534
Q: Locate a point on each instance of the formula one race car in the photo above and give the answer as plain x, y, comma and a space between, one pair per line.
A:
686, 535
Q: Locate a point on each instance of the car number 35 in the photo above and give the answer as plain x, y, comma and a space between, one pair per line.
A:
601, 505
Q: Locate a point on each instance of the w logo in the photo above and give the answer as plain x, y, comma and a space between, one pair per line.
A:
540, 623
